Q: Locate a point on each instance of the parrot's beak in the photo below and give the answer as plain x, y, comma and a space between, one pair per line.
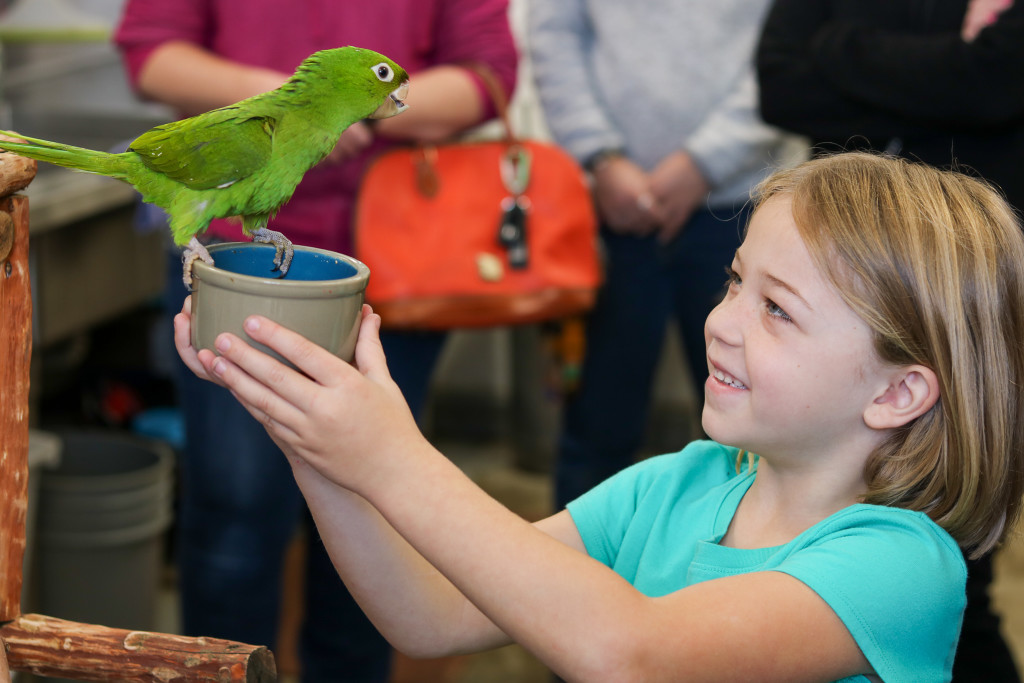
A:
394, 104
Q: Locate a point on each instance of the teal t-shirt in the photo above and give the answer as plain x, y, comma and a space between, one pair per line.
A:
894, 577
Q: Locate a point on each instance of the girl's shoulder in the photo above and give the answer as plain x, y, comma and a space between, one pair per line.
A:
880, 568
885, 525
885, 541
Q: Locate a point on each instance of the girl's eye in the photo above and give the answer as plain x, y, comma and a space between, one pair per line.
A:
734, 281
776, 312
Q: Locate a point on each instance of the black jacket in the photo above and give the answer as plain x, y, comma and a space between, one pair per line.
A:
896, 76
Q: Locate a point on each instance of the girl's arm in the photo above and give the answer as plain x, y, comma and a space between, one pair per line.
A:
436, 530
416, 607
418, 610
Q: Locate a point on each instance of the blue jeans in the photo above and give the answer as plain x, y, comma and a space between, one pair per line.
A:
239, 507
647, 284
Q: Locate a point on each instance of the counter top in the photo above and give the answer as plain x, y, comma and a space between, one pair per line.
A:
58, 197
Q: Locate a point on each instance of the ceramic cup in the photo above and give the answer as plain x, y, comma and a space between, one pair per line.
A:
320, 298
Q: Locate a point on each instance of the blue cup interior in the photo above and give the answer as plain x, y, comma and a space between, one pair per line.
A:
257, 260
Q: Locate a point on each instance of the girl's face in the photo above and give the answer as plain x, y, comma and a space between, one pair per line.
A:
792, 367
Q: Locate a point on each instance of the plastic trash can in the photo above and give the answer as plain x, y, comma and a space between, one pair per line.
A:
43, 453
103, 513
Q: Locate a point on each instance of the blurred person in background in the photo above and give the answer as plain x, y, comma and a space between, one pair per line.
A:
658, 101
239, 505
938, 82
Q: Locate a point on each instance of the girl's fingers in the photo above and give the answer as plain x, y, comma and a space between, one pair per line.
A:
261, 397
276, 429
315, 361
369, 352
183, 341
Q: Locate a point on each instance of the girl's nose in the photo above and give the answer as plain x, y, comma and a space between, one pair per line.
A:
723, 323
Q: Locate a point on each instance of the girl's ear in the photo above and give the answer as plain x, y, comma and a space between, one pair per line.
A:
912, 393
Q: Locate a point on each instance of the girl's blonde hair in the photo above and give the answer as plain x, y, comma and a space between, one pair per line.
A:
933, 261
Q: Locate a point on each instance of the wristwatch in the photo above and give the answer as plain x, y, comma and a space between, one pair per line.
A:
599, 158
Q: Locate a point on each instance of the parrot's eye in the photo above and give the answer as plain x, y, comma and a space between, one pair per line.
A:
384, 72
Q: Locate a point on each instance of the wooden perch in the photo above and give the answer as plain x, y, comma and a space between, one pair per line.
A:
44, 645
15, 352
5, 671
15, 172
65, 649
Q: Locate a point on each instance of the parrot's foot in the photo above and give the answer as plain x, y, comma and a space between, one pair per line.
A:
193, 252
284, 253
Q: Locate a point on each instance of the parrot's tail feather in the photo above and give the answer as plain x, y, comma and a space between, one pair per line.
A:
77, 158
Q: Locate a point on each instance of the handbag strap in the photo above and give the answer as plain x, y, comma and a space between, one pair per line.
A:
515, 166
496, 91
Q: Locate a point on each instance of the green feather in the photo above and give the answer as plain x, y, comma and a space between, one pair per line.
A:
245, 159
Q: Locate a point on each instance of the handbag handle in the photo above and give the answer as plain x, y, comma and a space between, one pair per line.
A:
515, 166
496, 91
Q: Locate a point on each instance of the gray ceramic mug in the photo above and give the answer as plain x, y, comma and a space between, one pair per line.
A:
320, 298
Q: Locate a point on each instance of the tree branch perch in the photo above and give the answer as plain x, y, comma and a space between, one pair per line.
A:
47, 646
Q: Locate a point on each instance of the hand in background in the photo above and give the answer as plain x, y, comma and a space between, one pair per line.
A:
678, 188
982, 13
622, 192
353, 140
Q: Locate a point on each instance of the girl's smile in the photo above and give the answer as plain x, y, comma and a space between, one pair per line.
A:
725, 378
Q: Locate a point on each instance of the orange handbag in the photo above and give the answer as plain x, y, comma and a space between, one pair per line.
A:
477, 234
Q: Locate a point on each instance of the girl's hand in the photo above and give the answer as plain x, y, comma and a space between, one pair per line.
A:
183, 343
350, 423
982, 13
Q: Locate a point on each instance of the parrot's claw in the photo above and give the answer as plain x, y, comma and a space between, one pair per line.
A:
193, 252
283, 248
285, 255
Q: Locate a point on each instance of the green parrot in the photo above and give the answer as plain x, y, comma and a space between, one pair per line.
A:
247, 158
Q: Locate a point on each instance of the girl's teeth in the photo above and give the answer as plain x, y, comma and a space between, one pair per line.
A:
726, 379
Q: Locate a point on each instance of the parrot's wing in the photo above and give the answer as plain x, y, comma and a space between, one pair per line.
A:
212, 150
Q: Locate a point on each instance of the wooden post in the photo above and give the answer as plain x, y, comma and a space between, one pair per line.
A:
44, 645
15, 354
5, 671
52, 647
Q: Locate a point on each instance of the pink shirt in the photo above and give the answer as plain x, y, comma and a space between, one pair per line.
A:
279, 35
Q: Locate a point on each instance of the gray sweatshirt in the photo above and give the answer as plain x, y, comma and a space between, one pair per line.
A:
656, 76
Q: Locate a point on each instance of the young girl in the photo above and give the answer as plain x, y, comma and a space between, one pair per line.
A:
867, 351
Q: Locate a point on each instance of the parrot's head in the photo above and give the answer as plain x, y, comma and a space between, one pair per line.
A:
366, 80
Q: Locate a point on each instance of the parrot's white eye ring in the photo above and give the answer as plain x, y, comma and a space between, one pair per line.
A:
384, 72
